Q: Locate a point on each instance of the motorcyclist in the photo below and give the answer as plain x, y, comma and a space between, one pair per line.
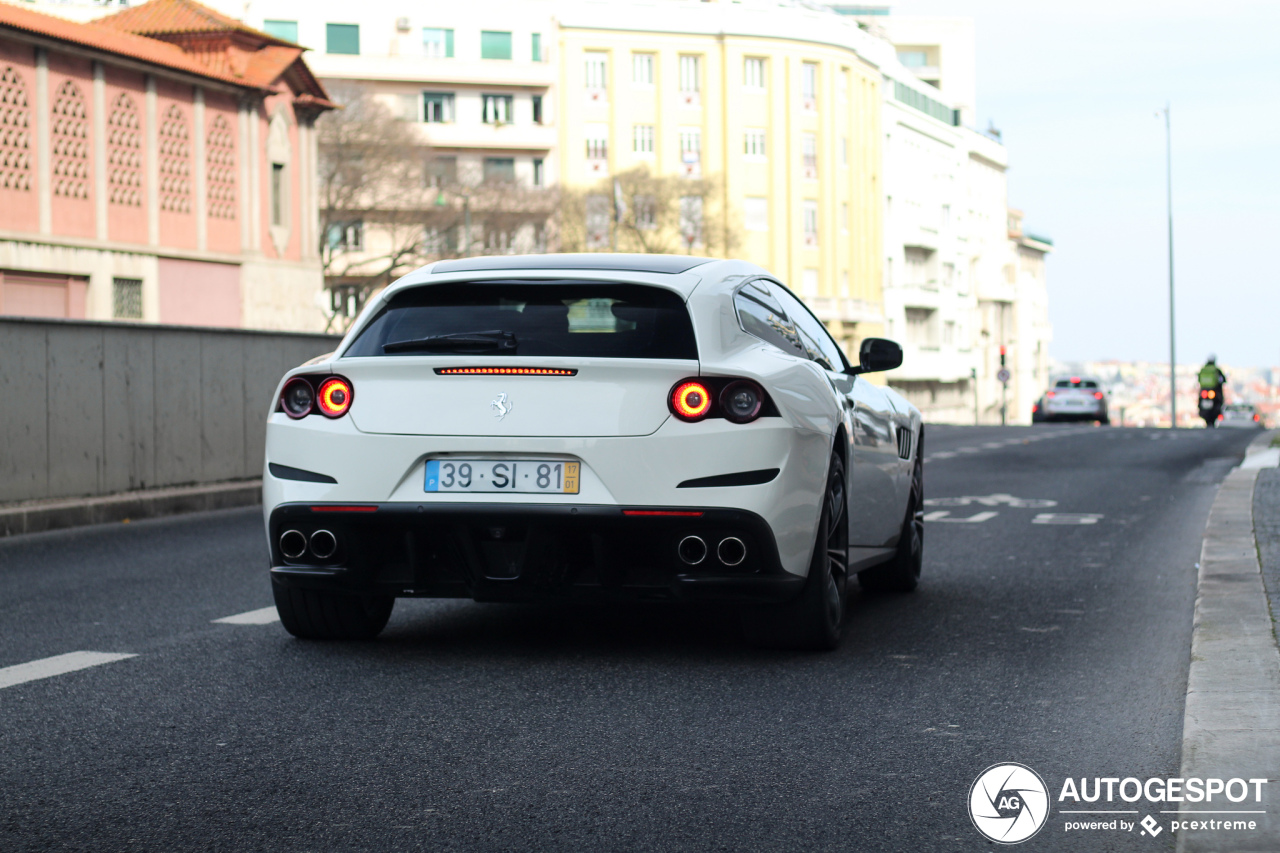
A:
1211, 378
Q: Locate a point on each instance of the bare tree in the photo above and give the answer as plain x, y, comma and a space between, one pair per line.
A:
389, 203
637, 211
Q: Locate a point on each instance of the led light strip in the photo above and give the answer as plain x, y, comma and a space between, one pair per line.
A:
505, 371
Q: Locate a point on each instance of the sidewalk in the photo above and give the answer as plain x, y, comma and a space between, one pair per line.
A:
1231, 727
38, 516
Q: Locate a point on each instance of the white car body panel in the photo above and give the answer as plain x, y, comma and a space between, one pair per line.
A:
612, 417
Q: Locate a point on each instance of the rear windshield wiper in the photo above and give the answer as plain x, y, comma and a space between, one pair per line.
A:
494, 340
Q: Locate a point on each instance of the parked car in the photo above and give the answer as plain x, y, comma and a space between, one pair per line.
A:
1240, 415
1075, 398
566, 426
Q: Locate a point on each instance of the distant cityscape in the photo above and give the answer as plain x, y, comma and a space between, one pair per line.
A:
1138, 391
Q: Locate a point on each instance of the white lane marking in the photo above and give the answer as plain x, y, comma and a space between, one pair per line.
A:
942, 515
993, 500
994, 445
1067, 518
969, 450
262, 616
58, 665
941, 454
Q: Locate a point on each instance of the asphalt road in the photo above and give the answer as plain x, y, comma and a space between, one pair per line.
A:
1063, 646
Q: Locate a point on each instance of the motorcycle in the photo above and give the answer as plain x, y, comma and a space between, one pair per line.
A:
1210, 407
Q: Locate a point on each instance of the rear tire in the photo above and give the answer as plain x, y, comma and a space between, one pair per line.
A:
814, 619
902, 573
313, 614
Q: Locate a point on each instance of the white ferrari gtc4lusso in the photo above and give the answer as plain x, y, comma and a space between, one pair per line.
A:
566, 426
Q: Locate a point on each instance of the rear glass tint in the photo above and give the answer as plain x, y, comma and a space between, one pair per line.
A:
575, 319
1067, 383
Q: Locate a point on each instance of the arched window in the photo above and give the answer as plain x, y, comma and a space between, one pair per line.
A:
175, 162
124, 153
15, 133
70, 132
221, 154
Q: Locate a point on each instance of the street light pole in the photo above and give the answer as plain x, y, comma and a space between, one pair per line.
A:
1173, 362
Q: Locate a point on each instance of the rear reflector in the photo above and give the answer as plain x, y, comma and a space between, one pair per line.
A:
505, 371
675, 512
333, 508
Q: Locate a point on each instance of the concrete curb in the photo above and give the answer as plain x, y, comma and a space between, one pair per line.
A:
1231, 727
37, 516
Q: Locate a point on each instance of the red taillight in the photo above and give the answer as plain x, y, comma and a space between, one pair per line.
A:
1075, 380
298, 398
335, 397
742, 401
506, 371
1035, 407
690, 400
1257, 418
1097, 395
1052, 394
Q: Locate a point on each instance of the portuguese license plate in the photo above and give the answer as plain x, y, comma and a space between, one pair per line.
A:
537, 476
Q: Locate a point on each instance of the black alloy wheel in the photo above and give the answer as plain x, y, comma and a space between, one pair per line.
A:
902, 573
814, 619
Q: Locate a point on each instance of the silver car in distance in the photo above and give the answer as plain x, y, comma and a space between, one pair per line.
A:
577, 426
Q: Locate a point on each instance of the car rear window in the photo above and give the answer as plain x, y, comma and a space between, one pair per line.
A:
1075, 383
571, 318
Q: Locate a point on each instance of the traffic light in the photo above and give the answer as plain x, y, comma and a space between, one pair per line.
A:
1002, 355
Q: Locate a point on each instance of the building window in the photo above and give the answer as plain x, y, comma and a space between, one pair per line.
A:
495, 45
642, 69
15, 133
346, 236
691, 220
437, 107
70, 152
342, 38
220, 154
948, 275
124, 153
809, 86
646, 207
440, 172
755, 212
753, 73
917, 266
437, 43
175, 162
126, 298
842, 84
599, 215
809, 155
537, 109
921, 328
535, 50
642, 139
539, 178
810, 219
597, 137
949, 333
278, 191
753, 143
690, 80
844, 151
914, 58
497, 108
283, 30
500, 170
596, 66
691, 151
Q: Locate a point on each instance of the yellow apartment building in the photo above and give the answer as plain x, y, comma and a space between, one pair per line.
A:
779, 104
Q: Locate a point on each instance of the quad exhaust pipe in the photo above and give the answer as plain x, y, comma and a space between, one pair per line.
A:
731, 550
692, 550
294, 544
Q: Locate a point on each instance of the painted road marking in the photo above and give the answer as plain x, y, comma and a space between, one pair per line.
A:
942, 515
1067, 518
57, 665
993, 500
261, 616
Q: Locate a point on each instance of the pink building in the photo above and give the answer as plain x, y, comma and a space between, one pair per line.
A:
158, 165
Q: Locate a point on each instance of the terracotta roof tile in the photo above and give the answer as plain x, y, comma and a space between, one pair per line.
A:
176, 17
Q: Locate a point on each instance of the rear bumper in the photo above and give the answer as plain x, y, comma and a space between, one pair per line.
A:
522, 552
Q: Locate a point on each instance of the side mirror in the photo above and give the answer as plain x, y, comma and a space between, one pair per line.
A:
875, 355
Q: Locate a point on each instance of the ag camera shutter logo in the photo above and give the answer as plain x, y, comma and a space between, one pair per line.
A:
1008, 803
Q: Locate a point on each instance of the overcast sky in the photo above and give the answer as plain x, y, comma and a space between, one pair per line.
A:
1075, 87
